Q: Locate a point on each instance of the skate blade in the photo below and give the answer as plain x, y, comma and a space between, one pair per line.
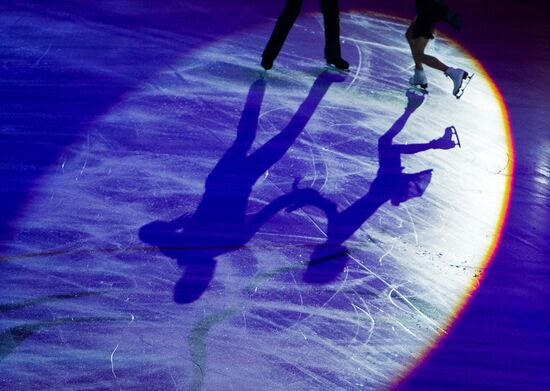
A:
465, 81
419, 85
418, 90
333, 68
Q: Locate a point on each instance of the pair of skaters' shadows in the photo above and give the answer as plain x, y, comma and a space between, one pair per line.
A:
219, 224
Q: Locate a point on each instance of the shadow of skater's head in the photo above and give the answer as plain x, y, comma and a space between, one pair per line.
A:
326, 263
197, 258
407, 186
199, 270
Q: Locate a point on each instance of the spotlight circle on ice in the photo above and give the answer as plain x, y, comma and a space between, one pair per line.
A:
343, 223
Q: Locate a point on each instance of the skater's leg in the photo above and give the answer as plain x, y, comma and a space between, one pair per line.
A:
280, 32
408, 35
419, 77
434, 62
331, 17
418, 46
457, 75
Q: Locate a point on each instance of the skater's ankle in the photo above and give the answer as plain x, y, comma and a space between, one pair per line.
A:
267, 63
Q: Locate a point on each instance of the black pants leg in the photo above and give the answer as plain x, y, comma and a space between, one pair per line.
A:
282, 27
331, 16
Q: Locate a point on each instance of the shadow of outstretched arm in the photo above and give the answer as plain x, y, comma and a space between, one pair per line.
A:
297, 198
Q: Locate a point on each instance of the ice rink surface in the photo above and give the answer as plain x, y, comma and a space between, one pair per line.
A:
176, 219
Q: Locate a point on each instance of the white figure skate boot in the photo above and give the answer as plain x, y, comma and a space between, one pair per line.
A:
419, 78
460, 79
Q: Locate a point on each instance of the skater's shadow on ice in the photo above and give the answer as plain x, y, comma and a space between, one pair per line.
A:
329, 259
219, 224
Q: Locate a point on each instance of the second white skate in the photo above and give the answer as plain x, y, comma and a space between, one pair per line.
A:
460, 79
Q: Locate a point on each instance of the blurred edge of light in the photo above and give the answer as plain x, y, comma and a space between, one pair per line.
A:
497, 234
490, 251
